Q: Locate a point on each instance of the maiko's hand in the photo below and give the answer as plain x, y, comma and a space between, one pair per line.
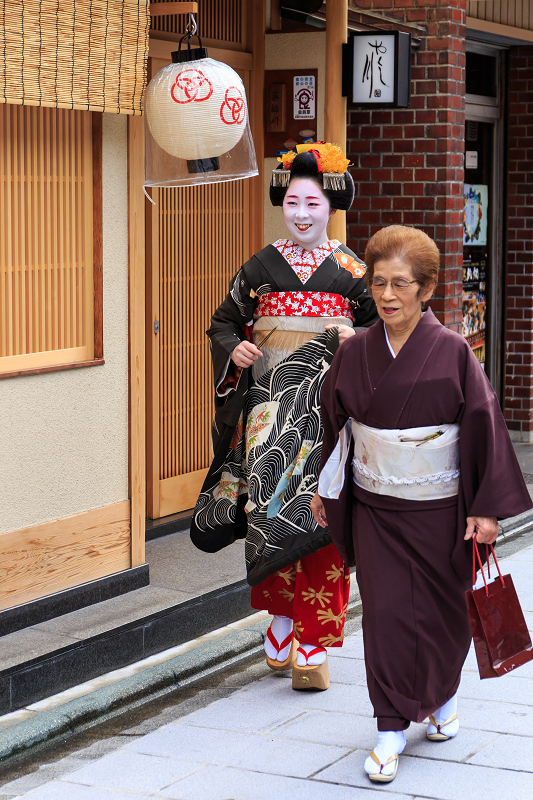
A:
344, 331
319, 512
485, 529
245, 354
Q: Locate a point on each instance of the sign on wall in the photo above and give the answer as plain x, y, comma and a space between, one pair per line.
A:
304, 97
290, 109
377, 69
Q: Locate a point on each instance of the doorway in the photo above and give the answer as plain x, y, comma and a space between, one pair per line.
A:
483, 267
197, 238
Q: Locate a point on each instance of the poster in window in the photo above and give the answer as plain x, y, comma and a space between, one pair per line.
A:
475, 214
474, 304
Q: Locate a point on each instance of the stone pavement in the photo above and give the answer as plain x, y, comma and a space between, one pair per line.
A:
267, 742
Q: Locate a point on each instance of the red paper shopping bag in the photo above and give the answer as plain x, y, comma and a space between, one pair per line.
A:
501, 638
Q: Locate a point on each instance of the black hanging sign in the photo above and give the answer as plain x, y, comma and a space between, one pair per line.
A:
376, 69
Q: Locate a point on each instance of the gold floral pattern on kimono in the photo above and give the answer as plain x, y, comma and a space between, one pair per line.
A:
230, 487
313, 592
259, 424
349, 263
296, 468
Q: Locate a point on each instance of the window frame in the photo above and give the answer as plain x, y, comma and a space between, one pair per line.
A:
98, 353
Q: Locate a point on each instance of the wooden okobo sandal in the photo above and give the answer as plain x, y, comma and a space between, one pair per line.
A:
311, 677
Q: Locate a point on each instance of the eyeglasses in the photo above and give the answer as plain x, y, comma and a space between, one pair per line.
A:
399, 284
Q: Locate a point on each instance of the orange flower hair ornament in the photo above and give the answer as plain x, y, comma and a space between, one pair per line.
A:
331, 162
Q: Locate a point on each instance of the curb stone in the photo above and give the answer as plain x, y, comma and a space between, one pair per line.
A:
73, 716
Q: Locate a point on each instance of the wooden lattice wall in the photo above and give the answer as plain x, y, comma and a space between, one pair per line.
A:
46, 237
200, 237
516, 13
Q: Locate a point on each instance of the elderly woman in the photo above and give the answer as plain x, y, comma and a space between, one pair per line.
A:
272, 340
416, 461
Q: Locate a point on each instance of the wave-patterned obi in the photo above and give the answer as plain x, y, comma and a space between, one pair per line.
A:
303, 304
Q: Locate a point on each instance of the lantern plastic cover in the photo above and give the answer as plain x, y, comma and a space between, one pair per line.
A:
193, 111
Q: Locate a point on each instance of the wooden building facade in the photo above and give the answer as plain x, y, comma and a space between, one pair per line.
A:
105, 375
106, 422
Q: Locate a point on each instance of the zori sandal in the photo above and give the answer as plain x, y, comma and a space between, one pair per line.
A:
434, 731
311, 676
273, 663
379, 777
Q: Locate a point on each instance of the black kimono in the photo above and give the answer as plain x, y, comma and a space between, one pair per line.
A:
412, 562
283, 529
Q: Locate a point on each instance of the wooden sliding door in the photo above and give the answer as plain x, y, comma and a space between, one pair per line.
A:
197, 238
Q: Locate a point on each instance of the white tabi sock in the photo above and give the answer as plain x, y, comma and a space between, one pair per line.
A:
281, 628
389, 743
312, 661
442, 714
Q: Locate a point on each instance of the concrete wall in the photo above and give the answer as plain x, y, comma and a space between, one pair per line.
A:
293, 51
64, 444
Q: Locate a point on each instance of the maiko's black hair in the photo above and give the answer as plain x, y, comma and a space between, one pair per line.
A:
305, 166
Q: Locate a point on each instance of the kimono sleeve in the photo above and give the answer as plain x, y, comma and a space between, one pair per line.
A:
227, 323
364, 306
227, 330
491, 484
492, 481
334, 418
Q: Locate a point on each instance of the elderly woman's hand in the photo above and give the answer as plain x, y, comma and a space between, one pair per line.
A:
484, 528
344, 331
319, 512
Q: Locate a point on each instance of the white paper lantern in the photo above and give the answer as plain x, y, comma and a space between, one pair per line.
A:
196, 109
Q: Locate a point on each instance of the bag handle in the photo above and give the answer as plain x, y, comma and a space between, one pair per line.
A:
475, 552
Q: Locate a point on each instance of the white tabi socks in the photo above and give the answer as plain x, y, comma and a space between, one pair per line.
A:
312, 661
390, 743
444, 723
281, 628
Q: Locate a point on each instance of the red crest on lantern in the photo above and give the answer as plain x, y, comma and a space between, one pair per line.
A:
233, 109
191, 86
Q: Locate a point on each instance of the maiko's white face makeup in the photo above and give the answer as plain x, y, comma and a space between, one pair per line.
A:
306, 213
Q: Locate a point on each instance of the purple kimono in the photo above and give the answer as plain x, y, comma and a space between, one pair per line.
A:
412, 562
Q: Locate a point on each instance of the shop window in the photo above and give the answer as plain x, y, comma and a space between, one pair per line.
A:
481, 74
50, 239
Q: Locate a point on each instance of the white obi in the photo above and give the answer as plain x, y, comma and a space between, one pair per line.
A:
410, 463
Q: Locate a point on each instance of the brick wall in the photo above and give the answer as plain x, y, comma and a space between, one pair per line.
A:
518, 403
408, 163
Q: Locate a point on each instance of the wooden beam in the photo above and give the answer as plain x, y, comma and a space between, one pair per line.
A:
98, 238
164, 9
335, 103
58, 555
256, 43
137, 377
237, 59
275, 15
521, 34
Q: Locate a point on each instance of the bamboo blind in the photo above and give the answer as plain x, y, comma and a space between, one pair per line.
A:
88, 55
516, 13
217, 19
203, 240
46, 237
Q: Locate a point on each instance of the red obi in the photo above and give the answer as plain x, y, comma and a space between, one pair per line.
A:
303, 304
